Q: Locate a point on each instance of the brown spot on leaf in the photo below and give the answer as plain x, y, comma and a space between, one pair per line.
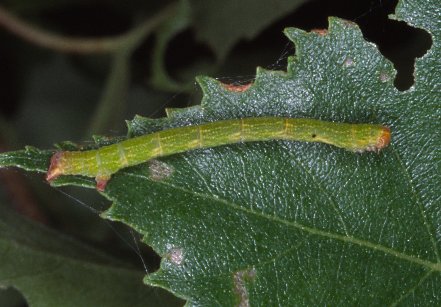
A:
348, 62
159, 170
237, 88
175, 255
321, 32
384, 77
240, 279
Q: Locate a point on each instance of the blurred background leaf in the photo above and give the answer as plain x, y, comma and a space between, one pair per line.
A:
52, 270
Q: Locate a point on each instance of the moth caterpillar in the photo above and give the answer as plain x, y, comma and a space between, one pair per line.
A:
103, 162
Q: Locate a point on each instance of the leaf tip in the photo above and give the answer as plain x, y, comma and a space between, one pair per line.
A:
293, 33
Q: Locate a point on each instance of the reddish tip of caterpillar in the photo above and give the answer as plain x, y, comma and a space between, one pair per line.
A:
55, 168
237, 88
101, 183
384, 139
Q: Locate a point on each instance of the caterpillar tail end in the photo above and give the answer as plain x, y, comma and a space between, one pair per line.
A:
384, 139
55, 168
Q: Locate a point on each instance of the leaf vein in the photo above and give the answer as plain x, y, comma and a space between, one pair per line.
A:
420, 205
314, 231
412, 289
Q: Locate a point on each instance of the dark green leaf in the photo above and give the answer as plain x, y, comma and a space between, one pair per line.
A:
302, 224
289, 223
30, 159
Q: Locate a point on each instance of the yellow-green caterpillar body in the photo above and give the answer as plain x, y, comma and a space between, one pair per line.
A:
103, 162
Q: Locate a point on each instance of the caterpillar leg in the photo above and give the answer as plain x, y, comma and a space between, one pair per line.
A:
63, 163
101, 182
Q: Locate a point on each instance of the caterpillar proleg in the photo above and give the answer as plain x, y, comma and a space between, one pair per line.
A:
103, 162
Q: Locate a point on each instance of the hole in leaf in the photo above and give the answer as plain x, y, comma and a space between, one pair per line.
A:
397, 41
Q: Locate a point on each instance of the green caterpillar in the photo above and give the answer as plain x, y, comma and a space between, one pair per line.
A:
103, 162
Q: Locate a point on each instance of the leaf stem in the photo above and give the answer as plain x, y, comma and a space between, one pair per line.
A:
82, 45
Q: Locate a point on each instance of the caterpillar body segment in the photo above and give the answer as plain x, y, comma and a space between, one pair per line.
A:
103, 162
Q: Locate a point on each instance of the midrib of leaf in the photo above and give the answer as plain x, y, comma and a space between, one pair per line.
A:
314, 231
